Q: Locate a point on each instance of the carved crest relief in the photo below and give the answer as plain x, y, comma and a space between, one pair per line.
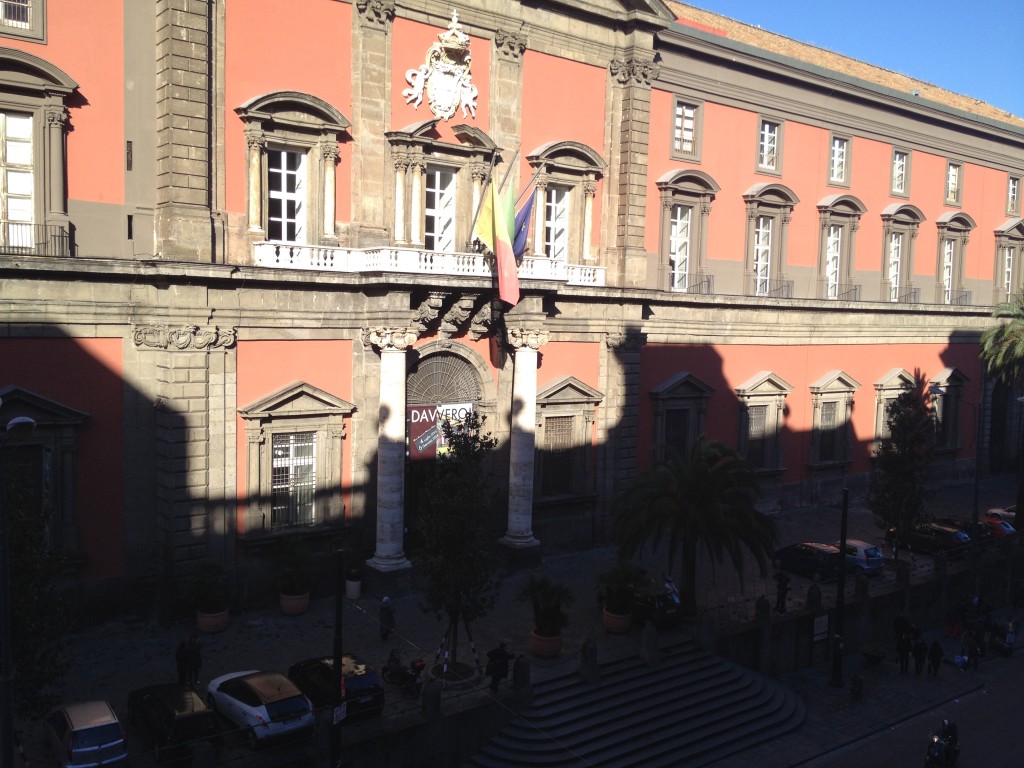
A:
445, 77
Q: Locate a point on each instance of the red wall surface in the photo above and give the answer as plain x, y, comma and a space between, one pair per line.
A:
264, 367
257, 62
724, 367
87, 375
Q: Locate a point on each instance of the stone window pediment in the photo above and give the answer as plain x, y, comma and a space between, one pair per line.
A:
568, 391
896, 378
834, 382
298, 400
764, 384
567, 157
45, 412
683, 385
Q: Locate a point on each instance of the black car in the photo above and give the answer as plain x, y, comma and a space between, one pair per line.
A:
931, 538
819, 561
172, 717
364, 692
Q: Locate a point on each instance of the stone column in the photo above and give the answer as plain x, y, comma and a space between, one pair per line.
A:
255, 141
416, 210
400, 167
589, 190
329, 152
523, 439
392, 343
56, 120
540, 211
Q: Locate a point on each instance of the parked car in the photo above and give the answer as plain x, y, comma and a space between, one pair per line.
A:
998, 529
85, 735
172, 717
819, 561
364, 692
864, 557
657, 602
931, 538
998, 515
266, 704
980, 534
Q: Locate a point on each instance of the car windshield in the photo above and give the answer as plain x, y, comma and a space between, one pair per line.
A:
286, 708
95, 737
872, 552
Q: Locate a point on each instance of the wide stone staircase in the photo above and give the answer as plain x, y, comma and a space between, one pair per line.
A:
692, 709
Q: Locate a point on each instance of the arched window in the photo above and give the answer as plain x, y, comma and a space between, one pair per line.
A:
839, 216
686, 198
900, 224
1009, 252
769, 209
954, 231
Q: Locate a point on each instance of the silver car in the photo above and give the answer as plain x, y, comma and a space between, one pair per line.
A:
267, 705
85, 735
864, 557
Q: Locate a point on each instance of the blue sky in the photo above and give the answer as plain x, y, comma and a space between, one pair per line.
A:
970, 48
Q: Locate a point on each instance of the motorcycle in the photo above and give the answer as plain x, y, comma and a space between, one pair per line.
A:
408, 678
944, 747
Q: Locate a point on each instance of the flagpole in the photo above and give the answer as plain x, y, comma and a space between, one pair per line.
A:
483, 190
533, 178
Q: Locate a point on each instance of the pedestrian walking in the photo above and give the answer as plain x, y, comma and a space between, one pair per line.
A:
920, 652
903, 648
781, 591
387, 618
935, 655
497, 665
189, 660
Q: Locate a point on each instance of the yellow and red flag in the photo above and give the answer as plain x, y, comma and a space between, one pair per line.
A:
494, 228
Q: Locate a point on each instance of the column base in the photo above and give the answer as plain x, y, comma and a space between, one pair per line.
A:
521, 551
519, 541
389, 564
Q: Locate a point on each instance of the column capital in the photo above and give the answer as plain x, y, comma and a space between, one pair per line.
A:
634, 72
399, 339
626, 342
518, 338
376, 12
510, 45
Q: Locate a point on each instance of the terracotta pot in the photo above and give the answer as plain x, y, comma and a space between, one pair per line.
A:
293, 605
616, 623
545, 647
211, 623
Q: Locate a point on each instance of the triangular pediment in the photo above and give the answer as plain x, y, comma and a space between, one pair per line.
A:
683, 385
949, 377
568, 390
764, 383
297, 400
896, 378
17, 402
835, 381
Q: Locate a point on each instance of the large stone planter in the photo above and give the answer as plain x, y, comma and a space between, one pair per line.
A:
545, 647
211, 623
293, 605
616, 623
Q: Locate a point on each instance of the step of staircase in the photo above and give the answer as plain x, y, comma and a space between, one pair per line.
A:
693, 709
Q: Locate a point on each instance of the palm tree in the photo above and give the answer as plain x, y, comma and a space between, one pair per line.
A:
706, 500
1002, 354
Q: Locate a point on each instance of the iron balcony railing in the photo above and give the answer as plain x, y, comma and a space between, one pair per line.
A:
960, 298
847, 292
24, 239
909, 296
776, 289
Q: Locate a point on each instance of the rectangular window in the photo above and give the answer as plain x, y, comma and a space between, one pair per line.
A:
828, 438
833, 261
685, 130
677, 430
1013, 196
439, 211
895, 264
768, 146
900, 183
286, 203
762, 255
558, 456
757, 436
838, 166
1008, 272
22, 18
953, 184
17, 180
947, 271
293, 480
556, 223
679, 245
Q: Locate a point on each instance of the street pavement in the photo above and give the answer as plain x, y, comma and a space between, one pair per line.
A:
110, 660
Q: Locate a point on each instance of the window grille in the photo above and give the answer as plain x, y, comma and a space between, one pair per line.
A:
558, 451
757, 427
293, 480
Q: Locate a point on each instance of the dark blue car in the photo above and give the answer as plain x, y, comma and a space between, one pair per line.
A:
819, 561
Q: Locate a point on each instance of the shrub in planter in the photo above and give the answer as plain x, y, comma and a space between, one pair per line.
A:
210, 597
615, 587
547, 598
294, 574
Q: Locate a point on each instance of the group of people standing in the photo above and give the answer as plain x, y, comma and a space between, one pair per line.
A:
910, 643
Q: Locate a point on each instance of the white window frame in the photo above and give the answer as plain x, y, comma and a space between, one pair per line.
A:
23, 19
839, 160
769, 208
954, 231
900, 224
1013, 194
839, 218
17, 201
440, 196
687, 129
1009, 255
833, 260
899, 174
679, 245
954, 189
293, 478
947, 247
684, 256
557, 215
769, 146
763, 254
278, 191
895, 271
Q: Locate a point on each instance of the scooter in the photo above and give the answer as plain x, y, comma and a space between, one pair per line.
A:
943, 749
409, 679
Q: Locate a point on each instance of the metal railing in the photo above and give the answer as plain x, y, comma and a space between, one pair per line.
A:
910, 296
960, 299
847, 292
25, 239
776, 289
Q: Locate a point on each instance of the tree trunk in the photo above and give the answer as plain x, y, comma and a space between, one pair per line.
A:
688, 578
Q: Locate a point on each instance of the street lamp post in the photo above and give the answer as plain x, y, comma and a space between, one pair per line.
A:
837, 638
936, 390
20, 425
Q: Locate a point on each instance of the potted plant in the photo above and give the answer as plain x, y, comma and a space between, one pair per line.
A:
294, 576
547, 598
615, 591
209, 596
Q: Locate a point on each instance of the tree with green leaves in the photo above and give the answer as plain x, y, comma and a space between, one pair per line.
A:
1002, 354
459, 561
899, 481
707, 500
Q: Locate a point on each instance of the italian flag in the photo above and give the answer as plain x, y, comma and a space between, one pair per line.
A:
494, 228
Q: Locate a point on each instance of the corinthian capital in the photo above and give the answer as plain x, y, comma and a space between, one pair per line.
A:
518, 338
634, 72
626, 342
399, 339
376, 12
510, 45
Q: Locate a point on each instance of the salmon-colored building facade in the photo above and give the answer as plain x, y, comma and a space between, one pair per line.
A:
233, 279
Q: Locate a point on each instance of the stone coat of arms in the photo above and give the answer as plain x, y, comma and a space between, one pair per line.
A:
445, 76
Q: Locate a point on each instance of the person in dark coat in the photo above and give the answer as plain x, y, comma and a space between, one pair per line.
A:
497, 665
935, 654
781, 591
189, 660
903, 648
387, 618
920, 651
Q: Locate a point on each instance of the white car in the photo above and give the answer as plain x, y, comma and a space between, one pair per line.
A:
266, 704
